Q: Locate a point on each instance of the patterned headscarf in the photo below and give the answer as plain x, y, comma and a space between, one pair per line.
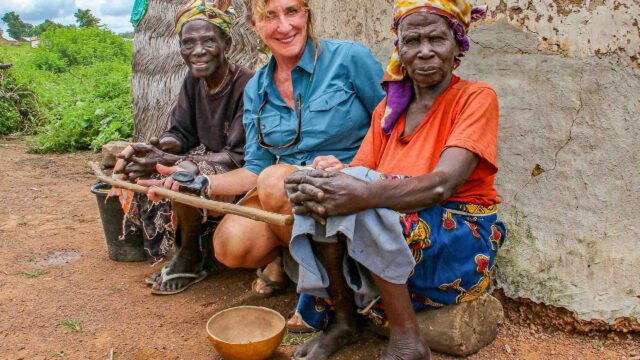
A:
399, 88
219, 13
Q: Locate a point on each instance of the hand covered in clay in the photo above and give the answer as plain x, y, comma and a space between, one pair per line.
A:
140, 159
321, 193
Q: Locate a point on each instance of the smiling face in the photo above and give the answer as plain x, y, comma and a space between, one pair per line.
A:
283, 28
427, 48
203, 46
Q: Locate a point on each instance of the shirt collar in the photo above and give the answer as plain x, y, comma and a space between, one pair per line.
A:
305, 63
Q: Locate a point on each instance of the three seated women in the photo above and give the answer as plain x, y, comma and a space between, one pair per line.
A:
410, 223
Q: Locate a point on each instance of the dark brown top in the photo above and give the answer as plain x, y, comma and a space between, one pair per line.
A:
214, 120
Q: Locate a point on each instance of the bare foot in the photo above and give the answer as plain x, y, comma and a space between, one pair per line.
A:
321, 346
406, 347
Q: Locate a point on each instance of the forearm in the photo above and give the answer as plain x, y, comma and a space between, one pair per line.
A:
412, 194
222, 158
235, 182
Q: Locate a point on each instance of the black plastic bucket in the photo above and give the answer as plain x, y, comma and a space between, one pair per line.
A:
131, 247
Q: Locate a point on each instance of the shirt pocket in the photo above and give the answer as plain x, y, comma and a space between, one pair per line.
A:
330, 117
275, 128
330, 100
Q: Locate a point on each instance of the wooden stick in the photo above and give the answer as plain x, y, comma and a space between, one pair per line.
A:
217, 206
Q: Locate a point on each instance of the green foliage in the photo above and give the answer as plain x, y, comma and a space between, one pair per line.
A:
64, 47
46, 25
19, 108
93, 109
72, 324
34, 273
80, 79
16, 28
85, 19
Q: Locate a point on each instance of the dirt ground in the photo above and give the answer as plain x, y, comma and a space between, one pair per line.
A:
61, 297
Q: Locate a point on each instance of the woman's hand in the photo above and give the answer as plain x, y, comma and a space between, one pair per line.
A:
322, 193
328, 163
167, 182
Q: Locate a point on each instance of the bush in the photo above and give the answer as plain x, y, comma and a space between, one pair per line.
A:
82, 87
92, 110
19, 108
69, 46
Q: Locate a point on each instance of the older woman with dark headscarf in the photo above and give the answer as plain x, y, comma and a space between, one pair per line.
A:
206, 136
386, 246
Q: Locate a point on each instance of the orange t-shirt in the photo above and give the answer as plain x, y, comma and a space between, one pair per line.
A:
464, 115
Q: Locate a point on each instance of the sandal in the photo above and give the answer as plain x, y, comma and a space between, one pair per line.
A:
152, 279
196, 278
270, 288
302, 328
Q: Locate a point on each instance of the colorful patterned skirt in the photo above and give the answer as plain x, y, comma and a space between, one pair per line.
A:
454, 246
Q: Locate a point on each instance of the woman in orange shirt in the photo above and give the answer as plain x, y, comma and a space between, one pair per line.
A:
424, 237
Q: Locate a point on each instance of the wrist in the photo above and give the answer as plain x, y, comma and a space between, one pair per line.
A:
369, 196
171, 159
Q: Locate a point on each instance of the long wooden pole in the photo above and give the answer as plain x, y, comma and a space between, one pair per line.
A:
217, 206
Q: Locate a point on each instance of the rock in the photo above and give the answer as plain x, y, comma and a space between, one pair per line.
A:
109, 152
462, 329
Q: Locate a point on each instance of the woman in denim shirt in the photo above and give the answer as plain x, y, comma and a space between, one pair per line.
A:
310, 105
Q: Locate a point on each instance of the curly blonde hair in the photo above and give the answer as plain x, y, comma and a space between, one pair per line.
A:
259, 12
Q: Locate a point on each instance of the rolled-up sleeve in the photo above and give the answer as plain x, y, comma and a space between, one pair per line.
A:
365, 70
256, 158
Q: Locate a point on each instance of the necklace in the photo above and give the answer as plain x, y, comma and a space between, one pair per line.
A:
224, 80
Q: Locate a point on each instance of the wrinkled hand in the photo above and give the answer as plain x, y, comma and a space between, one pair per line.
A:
166, 183
321, 193
328, 163
140, 160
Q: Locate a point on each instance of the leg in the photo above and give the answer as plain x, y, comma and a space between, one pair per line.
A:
270, 188
244, 243
344, 328
272, 197
188, 257
405, 341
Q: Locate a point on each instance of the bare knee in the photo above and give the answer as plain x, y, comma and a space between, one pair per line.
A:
270, 188
227, 250
240, 245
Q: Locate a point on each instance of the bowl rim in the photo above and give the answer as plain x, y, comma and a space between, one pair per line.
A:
284, 321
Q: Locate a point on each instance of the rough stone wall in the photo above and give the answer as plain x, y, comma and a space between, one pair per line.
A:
569, 153
577, 27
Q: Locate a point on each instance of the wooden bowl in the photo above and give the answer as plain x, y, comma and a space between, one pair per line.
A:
246, 332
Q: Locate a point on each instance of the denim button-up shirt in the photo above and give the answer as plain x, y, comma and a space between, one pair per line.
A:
338, 96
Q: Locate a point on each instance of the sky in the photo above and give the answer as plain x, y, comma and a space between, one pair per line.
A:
112, 13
